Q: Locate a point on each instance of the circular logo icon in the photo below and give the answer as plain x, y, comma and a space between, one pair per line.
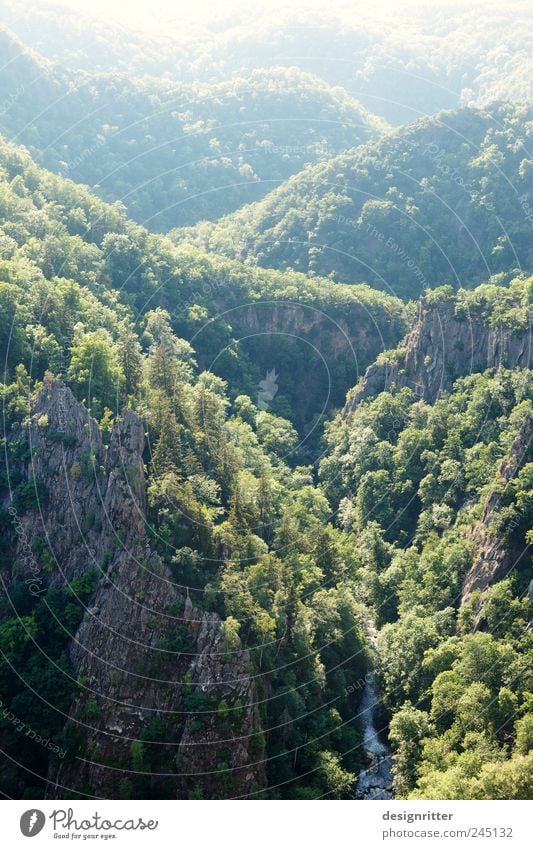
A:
32, 822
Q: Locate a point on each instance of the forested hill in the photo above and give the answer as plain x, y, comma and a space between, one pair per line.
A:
189, 523
175, 153
187, 508
445, 200
438, 500
72, 264
453, 335
431, 58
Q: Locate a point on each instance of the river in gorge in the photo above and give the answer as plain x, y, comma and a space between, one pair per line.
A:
375, 782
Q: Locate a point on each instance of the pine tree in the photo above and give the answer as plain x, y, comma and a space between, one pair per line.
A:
265, 505
129, 357
167, 456
238, 515
163, 367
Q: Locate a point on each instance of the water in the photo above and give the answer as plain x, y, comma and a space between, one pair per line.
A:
376, 781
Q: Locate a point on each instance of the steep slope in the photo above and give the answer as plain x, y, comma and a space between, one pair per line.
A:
435, 489
498, 556
175, 153
175, 618
452, 336
129, 677
52, 231
136, 689
447, 199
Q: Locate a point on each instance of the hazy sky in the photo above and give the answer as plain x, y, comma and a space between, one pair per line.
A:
151, 13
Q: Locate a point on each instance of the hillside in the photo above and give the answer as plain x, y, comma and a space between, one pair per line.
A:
266, 393
440, 57
142, 480
434, 488
444, 200
200, 601
452, 336
175, 153
57, 239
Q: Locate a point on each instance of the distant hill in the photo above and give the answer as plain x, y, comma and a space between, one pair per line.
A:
446, 199
61, 245
175, 153
425, 58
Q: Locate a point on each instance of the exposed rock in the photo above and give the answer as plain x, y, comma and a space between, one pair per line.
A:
201, 748
330, 346
442, 345
93, 516
496, 557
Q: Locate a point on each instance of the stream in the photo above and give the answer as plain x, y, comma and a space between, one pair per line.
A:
375, 782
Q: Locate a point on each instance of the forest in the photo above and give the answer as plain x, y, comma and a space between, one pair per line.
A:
441, 200
175, 154
267, 421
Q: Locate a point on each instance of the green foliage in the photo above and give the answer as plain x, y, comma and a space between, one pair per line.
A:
293, 568
37, 683
411, 480
386, 211
203, 154
90, 304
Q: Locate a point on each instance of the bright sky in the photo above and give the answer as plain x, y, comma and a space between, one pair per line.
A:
150, 13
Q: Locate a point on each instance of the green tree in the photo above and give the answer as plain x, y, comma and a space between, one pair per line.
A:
95, 373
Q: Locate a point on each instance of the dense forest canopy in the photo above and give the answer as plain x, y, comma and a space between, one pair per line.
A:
447, 199
175, 153
456, 677
59, 241
401, 59
266, 503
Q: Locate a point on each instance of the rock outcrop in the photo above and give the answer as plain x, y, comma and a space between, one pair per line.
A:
327, 346
143, 654
444, 344
497, 557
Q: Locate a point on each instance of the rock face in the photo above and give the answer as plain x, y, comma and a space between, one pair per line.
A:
130, 669
442, 345
495, 557
328, 347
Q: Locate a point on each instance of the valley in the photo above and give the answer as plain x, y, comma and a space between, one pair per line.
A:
266, 498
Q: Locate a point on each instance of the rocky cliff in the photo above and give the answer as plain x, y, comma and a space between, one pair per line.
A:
153, 677
318, 350
445, 342
496, 556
